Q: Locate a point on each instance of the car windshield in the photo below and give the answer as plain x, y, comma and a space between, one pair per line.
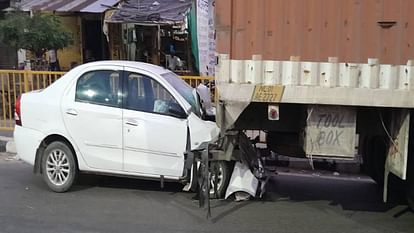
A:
184, 90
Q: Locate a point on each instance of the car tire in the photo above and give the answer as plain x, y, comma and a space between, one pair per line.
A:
223, 169
59, 168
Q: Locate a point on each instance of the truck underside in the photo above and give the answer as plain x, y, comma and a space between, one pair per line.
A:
287, 136
377, 135
335, 111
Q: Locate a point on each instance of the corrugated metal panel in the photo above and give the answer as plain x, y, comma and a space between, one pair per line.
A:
151, 12
91, 6
99, 5
316, 29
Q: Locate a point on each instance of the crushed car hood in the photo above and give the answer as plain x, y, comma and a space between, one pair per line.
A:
201, 131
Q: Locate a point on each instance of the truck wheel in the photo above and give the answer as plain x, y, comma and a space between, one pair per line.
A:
59, 167
223, 174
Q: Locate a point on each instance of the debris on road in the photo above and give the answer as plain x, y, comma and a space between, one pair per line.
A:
242, 180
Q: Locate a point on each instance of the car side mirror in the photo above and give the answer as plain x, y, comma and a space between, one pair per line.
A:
176, 110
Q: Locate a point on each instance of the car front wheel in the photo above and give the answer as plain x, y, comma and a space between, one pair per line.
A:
59, 167
220, 176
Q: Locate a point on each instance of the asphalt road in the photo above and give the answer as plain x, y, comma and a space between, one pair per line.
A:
295, 202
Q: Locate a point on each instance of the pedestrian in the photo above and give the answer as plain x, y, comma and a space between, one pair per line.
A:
53, 60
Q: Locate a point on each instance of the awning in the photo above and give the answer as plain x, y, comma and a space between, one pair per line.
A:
90, 6
151, 11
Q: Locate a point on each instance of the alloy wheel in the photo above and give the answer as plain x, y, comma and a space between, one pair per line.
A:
57, 167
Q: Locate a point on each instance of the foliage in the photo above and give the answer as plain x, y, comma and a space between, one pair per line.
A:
38, 33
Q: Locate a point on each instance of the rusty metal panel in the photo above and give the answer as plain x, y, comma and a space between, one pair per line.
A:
312, 30
223, 27
351, 31
239, 31
390, 36
293, 27
370, 32
316, 29
255, 25
273, 29
407, 28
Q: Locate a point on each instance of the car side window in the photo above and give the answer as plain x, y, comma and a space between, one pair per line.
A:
146, 94
98, 87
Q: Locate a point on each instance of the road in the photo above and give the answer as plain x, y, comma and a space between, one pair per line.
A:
295, 202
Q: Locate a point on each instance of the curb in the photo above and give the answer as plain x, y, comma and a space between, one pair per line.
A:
7, 145
11, 147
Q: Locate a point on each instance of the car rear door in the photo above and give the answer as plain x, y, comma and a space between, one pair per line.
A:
92, 114
154, 141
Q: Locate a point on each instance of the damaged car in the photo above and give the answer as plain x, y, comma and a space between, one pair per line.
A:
118, 118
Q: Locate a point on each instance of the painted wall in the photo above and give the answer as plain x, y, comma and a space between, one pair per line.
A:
72, 53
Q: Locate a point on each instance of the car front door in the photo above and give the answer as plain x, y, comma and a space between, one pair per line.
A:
93, 117
154, 140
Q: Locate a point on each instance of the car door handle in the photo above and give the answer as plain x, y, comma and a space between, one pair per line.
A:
131, 122
71, 111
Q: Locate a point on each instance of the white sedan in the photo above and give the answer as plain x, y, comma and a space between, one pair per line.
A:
113, 117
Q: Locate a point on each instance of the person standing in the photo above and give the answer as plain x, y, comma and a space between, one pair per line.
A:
53, 61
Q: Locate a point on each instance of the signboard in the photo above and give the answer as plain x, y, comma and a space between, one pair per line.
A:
211, 40
331, 131
269, 94
206, 37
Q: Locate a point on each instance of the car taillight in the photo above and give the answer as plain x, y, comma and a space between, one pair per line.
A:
17, 112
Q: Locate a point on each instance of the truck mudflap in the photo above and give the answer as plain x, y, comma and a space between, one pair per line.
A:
398, 135
249, 158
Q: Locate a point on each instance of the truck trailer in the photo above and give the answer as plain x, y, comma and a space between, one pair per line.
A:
324, 79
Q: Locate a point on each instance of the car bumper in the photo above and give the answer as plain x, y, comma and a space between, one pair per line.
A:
27, 141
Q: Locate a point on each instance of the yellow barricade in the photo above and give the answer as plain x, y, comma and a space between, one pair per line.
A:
15, 82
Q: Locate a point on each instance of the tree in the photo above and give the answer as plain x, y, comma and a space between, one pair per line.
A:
37, 33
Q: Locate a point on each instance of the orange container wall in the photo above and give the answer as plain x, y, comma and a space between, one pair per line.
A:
316, 29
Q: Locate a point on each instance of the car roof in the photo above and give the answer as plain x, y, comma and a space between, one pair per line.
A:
134, 64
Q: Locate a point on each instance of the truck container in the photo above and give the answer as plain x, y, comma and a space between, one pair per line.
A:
323, 79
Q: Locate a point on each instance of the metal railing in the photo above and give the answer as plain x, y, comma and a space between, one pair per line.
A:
194, 81
13, 83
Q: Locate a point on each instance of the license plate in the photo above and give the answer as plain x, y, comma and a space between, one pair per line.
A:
269, 94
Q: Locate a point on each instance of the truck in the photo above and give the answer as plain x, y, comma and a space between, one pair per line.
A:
323, 79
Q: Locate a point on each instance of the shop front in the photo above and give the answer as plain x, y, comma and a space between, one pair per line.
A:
153, 32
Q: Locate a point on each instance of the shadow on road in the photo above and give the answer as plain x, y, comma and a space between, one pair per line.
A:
86, 181
230, 211
407, 210
356, 195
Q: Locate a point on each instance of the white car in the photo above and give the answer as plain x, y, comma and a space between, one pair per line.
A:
113, 117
